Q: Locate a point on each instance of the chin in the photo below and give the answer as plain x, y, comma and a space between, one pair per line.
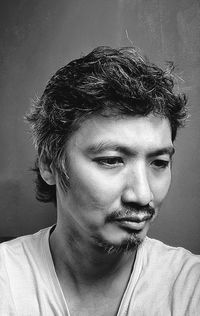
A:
128, 244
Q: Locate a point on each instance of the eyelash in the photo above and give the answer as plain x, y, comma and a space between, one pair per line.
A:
118, 161
109, 161
161, 164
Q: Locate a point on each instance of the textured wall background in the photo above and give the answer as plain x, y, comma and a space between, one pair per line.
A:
39, 36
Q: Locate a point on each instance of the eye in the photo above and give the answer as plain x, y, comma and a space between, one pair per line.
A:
160, 163
109, 161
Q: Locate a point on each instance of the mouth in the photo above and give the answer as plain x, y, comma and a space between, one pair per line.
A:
134, 222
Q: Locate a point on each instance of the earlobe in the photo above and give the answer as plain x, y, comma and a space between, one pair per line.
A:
47, 173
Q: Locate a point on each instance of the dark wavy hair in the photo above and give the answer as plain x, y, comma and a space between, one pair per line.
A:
105, 82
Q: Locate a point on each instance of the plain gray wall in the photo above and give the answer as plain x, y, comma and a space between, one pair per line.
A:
38, 37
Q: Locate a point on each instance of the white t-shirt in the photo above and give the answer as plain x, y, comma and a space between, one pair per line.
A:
164, 281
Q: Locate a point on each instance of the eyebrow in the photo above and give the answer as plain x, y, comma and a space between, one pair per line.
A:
103, 146
169, 150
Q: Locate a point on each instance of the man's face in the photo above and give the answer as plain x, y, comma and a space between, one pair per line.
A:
119, 173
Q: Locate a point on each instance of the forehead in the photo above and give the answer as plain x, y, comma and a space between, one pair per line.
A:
142, 133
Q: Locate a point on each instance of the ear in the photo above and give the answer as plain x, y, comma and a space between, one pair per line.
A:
46, 172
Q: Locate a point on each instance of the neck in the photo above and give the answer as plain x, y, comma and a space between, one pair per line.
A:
80, 262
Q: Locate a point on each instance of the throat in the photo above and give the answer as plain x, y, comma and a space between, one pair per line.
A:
87, 263
92, 282
89, 277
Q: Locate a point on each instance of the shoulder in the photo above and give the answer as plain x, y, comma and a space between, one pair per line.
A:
173, 275
169, 280
178, 266
21, 246
168, 257
18, 261
18, 255
157, 248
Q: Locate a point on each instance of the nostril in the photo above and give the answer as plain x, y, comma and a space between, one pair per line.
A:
140, 194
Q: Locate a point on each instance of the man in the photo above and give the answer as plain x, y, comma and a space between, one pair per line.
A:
104, 130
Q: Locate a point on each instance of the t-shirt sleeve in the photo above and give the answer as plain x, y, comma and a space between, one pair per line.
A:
7, 306
188, 286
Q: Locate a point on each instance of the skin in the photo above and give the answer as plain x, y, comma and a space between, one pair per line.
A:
119, 166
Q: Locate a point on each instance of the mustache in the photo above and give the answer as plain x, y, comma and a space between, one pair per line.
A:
129, 211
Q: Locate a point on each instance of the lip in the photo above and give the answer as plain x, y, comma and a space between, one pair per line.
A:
133, 222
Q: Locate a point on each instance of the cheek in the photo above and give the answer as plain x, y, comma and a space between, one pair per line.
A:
93, 187
161, 187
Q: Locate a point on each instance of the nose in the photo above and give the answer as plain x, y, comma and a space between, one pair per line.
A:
137, 188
